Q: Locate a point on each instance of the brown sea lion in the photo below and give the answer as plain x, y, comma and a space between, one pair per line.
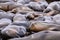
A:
21, 9
39, 26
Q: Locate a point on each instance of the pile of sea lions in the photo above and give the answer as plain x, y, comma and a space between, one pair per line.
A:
29, 20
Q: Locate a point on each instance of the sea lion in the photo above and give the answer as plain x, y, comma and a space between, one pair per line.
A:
39, 36
44, 35
53, 6
8, 6
21, 9
4, 22
52, 35
14, 31
39, 26
56, 18
19, 17
6, 15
